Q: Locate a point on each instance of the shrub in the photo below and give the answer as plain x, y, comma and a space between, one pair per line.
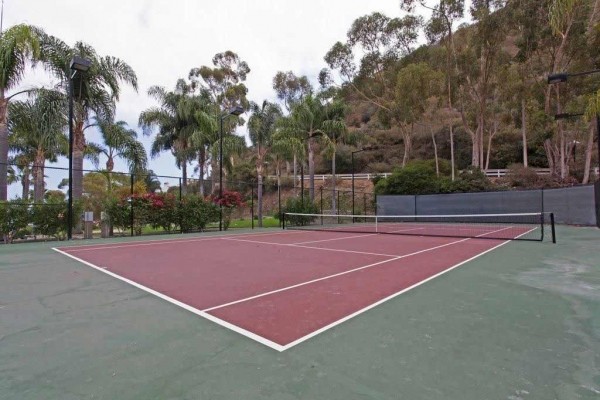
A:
417, 177
50, 219
470, 180
119, 213
295, 205
520, 176
229, 201
14, 217
195, 213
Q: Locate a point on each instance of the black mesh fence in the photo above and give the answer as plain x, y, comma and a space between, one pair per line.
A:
575, 205
123, 204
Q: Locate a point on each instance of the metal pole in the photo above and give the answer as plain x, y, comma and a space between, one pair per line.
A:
180, 202
131, 203
338, 207
252, 207
302, 184
352, 158
221, 175
279, 197
70, 204
598, 137
321, 192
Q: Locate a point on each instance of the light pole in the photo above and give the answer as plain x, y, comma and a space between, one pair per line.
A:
563, 77
81, 65
236, 110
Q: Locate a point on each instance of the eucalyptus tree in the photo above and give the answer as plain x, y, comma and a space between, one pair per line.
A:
95, 92
440, 29
18, 45
310, 120
119, 141
224, 84
382, 42
291, 89
37, 127
261, 129
416, 83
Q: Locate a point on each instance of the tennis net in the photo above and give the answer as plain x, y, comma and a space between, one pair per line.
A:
524, 226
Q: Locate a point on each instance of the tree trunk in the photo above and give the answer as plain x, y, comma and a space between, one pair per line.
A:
296, 174
184, 177
38, 177
259, 194
25, 183
3, 147
435, 152
489, 150
407, 139
311, 171
213, 176
475, 149
524, 131
588, 154
201, 162
452, 151
334, 204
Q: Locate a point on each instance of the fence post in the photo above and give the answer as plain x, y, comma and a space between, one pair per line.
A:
252, 207
279, 198
365, 203
337, 209
180, 200
131, 202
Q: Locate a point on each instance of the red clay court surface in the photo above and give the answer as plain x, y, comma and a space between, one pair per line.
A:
284, 287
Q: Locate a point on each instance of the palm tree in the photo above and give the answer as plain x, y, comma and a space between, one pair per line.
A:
151, 181
120, 141
22, 162
261, 127
335, 129
95, 92
178, 119
308, 120
37, 128
17, 45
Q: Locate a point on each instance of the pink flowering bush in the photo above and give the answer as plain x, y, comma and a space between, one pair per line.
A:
229, 201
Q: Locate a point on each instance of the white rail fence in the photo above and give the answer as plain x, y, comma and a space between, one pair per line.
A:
492, 173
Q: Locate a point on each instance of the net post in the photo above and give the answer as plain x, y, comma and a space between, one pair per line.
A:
542, 224
552, 225
376, 223
282, 220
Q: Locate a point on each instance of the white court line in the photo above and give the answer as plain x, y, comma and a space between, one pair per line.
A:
350, 316
337, 274
312, 247
107, 246
247, 333
356, 236
187, 307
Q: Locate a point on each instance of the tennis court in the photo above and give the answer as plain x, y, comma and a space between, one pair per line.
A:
285, 287
342, 310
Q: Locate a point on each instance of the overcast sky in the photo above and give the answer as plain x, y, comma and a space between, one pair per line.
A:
163, 39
